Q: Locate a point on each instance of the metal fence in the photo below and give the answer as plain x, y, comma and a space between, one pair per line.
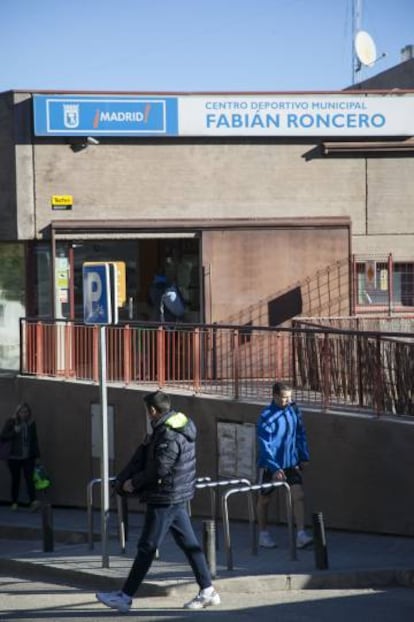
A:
327, 367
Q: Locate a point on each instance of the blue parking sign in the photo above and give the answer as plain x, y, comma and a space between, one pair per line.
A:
97, 299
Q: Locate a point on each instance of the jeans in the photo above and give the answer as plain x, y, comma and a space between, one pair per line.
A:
158, 520
27, 466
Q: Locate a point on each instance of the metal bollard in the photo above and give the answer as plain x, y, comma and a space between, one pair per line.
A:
209, 545
124, 510
319, 539
47, 527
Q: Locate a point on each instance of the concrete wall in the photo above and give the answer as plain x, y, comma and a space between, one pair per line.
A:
252, 265
391, 196
359, 476
198, 180
25, 168
8, 206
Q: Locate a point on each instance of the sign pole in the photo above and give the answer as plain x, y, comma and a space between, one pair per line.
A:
105, 448
103, 290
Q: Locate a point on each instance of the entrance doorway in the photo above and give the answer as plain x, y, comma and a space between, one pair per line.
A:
178, 258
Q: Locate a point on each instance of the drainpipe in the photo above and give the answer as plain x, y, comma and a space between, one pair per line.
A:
390, 284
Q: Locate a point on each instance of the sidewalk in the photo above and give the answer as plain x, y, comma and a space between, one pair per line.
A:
355, 560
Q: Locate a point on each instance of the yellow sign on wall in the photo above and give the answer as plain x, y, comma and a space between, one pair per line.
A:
62, 200
121, 281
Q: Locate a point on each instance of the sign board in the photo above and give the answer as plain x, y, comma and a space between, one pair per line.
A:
120, 271
66, 115
370, 274
225, 114
99, 293
62, 200
236, 450
120, 276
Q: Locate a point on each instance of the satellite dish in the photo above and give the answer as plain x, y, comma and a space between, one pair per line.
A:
365, 49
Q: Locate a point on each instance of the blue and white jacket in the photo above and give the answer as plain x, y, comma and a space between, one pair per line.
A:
281, 436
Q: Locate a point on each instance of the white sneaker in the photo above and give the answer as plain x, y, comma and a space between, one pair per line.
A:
266, 540
203, 600
303, 540
115, 600
34, 506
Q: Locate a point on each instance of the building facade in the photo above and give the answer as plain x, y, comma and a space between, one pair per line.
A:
246, 201
237, 198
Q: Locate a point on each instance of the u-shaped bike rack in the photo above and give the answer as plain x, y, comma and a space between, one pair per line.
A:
249, 490
212, 486
120, 514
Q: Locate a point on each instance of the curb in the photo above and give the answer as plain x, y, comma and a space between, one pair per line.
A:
63, 536
353, 579
252, 584
82, 580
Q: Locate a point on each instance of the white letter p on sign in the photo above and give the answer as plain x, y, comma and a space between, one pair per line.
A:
92, 292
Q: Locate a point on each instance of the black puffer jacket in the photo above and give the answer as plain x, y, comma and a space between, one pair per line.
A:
163, 468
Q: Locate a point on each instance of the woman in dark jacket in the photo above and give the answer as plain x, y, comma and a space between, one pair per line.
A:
22, 432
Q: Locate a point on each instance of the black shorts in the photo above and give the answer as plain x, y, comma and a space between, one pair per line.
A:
293, 476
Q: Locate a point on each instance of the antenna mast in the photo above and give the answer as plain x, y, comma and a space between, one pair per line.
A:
364, 51
356, 27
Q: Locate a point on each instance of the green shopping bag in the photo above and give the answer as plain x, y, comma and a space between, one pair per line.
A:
40, 478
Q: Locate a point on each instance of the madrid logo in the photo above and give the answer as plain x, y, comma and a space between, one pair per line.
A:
71, 115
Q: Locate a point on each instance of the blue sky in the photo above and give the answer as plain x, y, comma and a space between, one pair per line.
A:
193, 45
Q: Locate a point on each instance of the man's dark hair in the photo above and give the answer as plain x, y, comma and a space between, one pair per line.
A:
158, 400
278, 387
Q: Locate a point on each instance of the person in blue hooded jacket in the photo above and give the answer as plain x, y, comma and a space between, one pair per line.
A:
282, 453
162, 473
166, 300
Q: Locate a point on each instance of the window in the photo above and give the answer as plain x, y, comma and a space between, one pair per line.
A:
373, 279
380, 283
12, 296
403, 284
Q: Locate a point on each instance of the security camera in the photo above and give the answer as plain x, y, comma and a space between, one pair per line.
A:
92, 141
76, 147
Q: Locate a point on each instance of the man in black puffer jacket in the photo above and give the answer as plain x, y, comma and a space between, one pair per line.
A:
162, 473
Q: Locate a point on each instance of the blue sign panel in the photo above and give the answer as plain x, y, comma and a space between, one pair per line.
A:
60, 115
97, 304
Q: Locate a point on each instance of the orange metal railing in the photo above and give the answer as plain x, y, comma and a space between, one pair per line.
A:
329, 367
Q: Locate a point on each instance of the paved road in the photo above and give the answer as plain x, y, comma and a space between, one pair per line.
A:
29, 601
